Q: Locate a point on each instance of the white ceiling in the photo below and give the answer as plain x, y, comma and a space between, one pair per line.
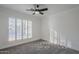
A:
52, 8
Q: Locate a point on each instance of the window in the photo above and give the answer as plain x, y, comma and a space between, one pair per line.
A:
24, 29
29, 29
11, 29
19, 29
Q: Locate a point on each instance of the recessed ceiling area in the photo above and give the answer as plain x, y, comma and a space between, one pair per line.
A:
52, 8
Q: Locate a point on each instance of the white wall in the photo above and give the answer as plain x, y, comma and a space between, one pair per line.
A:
64, 27
45, 28
5, 13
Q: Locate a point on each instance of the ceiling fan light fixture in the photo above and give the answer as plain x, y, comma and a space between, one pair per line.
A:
37, 12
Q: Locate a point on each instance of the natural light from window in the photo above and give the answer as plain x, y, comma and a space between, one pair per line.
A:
19, 29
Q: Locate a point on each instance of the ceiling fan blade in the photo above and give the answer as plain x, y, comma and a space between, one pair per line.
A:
34, 13
41, 13
30, 9
44, 9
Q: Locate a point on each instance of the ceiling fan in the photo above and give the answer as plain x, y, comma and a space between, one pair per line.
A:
37, 10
